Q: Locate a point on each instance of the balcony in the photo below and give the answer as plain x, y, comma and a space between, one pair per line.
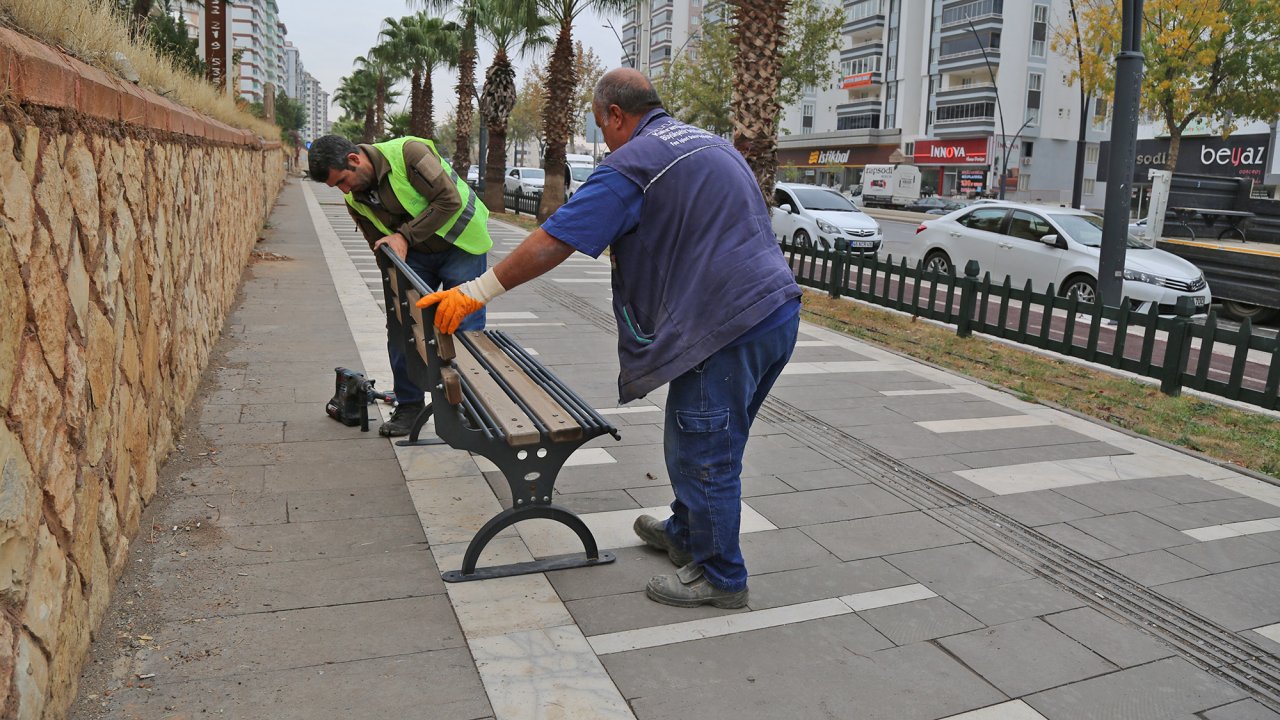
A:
968, 59
965, 127
865, 106
863, 50
863, 15
974, 92
959, 15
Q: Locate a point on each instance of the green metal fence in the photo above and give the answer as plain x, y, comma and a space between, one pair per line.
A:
1177, 350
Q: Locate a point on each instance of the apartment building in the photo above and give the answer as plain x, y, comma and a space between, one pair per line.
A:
967, 90
258, 34
316, 102
656, 32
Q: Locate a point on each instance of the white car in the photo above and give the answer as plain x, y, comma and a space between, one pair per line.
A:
524, 181
1052, 245
578, 174
809, 215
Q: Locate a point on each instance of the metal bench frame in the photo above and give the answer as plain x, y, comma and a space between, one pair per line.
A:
530, 461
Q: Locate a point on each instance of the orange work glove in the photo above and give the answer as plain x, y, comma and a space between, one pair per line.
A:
456, 303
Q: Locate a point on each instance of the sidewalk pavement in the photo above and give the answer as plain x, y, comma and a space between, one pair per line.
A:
920, 546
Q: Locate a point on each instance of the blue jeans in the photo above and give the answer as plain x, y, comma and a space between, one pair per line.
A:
441, 271
709, 414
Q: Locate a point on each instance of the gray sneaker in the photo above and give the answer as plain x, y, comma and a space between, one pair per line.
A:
654, 534
690, 588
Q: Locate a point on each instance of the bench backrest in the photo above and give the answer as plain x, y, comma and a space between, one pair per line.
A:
1209, 192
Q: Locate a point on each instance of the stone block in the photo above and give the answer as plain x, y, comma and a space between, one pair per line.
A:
31, 681
42, 76
35, 403
97, 93
102, 348
15, 198
47, 297
75, 392
82, 185
133, 104
44, 597
73, 645
13, 307
50, 193
8, 656
19, 516
130, 364
30, 151
60, 480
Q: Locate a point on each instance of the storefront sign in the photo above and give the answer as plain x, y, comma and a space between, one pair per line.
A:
856, 80
828, 157
1238, 156
215, 42
971, 151
973, 181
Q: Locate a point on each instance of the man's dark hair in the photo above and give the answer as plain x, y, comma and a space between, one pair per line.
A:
329, 153
630, 91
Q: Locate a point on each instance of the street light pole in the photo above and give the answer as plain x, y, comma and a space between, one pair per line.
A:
999, 109
1124, 143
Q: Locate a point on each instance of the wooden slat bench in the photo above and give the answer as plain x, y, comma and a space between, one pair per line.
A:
491, 397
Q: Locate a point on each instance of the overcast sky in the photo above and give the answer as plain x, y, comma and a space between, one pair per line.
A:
331, 33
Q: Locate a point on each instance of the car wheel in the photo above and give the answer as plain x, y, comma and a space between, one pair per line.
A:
1255, 313
802, 239
938, 262
1083, 288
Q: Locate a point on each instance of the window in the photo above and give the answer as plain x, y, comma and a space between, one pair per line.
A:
1039, 29
1091, 153
1088, 187
806, 120
1024, 182
864, 9
1027, 148
1028, 226
1099, 110
1035, 82
861, 65
965, 111
781, 197
858, 122
985, 219
978, 8
891, 105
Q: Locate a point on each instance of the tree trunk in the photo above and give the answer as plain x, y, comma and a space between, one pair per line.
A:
495, 110
466, 91
379, 109
495, 168
415, 103
557, 120
369, 118
428, 112
1175, 144
759, 32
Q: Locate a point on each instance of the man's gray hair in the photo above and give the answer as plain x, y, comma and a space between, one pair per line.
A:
631, 92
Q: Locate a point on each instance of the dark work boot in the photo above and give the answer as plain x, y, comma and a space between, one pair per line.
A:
654, 534
690, 588
401, 421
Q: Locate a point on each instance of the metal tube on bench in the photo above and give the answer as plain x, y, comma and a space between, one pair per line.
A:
575, 405
405, 270
484, 420
506, 387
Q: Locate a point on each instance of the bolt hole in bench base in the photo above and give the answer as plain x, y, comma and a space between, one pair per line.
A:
491, 397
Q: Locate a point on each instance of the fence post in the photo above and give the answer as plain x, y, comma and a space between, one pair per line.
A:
1176, 349
968, 298
838, 259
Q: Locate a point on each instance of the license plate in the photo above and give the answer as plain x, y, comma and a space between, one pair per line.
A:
1201, 301
862, 243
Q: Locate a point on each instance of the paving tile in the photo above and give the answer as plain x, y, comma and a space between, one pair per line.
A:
306, 541
932, 408
818, 479
1110, 498
884, 535
230, 510
384, 688
957, 568
937, 464
920, 620
1025, 656
1012, 437
381, 471
1242, 710
758, 485
1012, 710
882, 685
1131, 532
1231, 598
771, 551
1233, 553
777, 460
628, 611
301, 638
1121, 644
1183, 488
825, 581
1013, 601
951, 479
627, 574
1042, 507
656, 496
1170, 688
870, 416
669, 669
582, 503
1081, 542
1154, 568
1000, 458
1213, 512
812, 507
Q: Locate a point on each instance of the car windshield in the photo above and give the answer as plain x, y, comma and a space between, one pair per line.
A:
1087, 230
580, 173
818, 199
533, 174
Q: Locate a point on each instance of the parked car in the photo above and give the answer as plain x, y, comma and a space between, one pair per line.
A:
578, 174
933, 205
810, 215
1052, 245
473, 176
524, 181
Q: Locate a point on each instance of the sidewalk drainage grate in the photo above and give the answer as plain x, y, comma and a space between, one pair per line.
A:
1204, 643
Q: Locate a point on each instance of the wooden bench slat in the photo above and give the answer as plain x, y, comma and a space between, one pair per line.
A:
558, 421
420, 330
444, 346
394, 282
452, 385
511, 420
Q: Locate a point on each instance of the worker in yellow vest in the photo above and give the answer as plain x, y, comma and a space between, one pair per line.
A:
403, 194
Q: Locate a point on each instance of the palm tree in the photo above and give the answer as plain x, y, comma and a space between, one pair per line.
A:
380, 64
470, 13
510, 26
759, 34
416, 45
356, 94
562, 88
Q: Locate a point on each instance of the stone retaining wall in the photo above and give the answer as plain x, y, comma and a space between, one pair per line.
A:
125, 224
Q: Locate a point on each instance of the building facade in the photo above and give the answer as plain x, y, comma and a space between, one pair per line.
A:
970, 91
316, 102
655, 32
258, 36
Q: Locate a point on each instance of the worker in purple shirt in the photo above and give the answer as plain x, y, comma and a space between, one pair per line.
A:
704, 302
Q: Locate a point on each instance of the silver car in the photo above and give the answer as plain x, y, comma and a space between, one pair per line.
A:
1051, 245
809, 215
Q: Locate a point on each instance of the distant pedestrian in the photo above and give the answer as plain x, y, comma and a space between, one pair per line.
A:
403, 194
704, 302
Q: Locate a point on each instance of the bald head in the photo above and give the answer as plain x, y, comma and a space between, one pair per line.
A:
627, 88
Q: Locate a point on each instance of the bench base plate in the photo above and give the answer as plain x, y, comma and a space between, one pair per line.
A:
420, 441
558, 562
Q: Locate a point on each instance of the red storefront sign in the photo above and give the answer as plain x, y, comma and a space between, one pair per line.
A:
971, 151
856, 80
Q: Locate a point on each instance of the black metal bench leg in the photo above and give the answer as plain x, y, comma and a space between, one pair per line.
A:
418, 422
513, 515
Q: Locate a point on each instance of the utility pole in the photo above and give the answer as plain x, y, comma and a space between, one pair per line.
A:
1124, 143
995, 86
